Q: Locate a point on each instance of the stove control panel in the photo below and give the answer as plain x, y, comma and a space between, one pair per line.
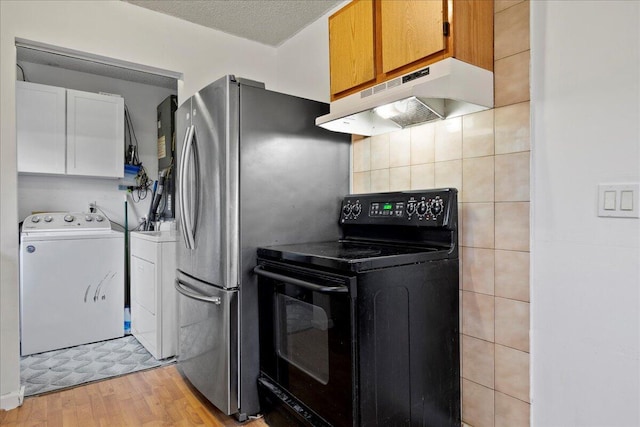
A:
65, 221
430, 208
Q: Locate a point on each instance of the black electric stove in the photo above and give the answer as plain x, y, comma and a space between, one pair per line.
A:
364, 330
382, 230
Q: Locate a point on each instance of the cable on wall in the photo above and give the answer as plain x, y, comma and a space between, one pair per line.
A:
143, 183
24, 76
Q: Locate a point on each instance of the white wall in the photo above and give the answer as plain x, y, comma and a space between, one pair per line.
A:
60, 193
111, 29
585, 269
303, 61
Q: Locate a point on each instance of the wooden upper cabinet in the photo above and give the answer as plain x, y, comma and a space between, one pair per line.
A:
410, 30
351, 46
472, 32
372, 41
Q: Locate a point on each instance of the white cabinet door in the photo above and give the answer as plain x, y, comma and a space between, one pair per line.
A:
95, 134
40, 123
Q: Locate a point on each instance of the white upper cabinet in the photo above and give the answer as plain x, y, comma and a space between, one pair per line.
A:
64, 131
95, 134
41, 121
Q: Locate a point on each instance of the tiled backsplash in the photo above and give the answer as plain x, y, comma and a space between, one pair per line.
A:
486, 157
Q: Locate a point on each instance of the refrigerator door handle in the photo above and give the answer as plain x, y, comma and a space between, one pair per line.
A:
188, 229
183, 187
190, 293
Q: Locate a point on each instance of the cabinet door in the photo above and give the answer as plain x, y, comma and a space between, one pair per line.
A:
40, 125
410, 30
95, 134
351, 46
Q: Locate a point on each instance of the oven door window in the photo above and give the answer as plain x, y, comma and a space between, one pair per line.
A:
303, 336
306, 339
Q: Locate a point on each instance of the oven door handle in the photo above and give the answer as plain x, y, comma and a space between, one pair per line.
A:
260, 271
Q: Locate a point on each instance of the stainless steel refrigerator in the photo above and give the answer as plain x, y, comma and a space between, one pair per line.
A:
253, 170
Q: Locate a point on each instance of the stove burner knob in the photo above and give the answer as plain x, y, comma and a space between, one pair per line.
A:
35, 219
422, 208
69, 218
411, 208
48, 218
435, 207
99, 218
88, 218
357, 208
346, 210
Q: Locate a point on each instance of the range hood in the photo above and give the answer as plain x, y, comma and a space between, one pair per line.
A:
448, 88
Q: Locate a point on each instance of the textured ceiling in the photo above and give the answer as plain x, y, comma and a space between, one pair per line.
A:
270, 22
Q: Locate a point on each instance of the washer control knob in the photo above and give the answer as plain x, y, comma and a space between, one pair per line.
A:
48, 218
69, 218
35, 219
422, 208
356, 209
99, 218
88, 218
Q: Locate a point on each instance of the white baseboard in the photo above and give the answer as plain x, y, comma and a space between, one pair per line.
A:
12, 400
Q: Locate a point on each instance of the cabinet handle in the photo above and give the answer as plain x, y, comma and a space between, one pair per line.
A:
445, 29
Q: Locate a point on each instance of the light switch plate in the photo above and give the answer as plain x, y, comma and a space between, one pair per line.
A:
618, 200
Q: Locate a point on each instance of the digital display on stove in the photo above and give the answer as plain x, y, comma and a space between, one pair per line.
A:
386, 209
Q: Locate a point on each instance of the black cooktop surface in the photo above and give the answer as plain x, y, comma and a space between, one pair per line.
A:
351, 255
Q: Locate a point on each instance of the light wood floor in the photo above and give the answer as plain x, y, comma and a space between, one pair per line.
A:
156, 397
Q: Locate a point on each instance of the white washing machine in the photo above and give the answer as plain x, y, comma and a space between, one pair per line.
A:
71, 281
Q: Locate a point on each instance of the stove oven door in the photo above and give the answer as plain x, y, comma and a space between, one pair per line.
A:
307, 341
